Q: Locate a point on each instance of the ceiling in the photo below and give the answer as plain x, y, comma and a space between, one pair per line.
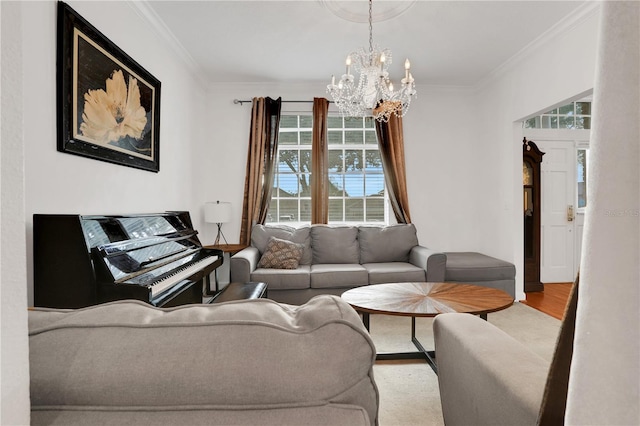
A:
448, 42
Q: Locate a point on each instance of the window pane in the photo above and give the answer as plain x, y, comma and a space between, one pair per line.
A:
375, 210
305, 160
288, 210
353, 137
288, 185
553, 111
305, 210
373, 162
369, 123
288, 161
288, 138
334, 137
582, 177
306, 121
354, 185
273, 211
305, 184
583, 108
335, 210
335, 160
336, 184
374, 184
353, 160
334, 122
288, 121
566, 109
305, 138
353, 122
566, 122
354, 210
370, 138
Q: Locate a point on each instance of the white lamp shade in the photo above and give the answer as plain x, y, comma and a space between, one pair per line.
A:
217, 212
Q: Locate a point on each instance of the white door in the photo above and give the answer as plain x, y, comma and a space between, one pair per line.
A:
560, 232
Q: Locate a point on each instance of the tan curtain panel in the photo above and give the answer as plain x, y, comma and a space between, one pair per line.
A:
261, 157
319, 163
391, 144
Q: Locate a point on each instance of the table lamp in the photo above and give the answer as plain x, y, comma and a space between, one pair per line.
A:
218, 213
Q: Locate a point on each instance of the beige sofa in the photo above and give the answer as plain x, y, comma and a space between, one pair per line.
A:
486, 377
245, 362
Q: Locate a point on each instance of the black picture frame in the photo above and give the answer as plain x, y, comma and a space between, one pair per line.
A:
108, 104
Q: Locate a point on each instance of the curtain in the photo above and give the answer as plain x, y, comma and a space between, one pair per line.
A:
320, 163
261, 157
391, 144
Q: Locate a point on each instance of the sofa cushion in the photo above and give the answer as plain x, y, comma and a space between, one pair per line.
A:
338, 275
394, 272
386, 243
335, 244
472, 267
260, 235
283, 278
281, 254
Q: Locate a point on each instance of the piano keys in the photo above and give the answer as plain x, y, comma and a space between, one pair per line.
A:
85, 260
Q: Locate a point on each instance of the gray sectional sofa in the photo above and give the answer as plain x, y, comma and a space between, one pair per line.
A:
334, 259
245, 362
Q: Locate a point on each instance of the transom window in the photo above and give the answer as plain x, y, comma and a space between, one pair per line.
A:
356, 178
574, 115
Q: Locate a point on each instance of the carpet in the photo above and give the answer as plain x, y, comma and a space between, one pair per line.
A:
408, 389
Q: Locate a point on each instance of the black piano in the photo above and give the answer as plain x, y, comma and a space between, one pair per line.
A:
85, 260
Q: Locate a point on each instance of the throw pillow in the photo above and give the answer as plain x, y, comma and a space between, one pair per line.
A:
281, 254
261, 233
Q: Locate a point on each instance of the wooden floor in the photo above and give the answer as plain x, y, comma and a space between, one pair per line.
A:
552, 300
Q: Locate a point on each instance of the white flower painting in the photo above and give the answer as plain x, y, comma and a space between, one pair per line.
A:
115, 113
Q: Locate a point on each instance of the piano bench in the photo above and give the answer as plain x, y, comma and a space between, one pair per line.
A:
240, 291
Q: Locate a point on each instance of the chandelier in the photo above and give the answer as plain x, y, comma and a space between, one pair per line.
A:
373, 93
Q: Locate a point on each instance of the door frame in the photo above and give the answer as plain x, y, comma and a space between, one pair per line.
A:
579, 138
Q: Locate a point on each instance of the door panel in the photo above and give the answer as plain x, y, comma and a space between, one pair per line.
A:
557, 194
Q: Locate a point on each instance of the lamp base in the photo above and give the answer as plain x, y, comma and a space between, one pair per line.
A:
217, 242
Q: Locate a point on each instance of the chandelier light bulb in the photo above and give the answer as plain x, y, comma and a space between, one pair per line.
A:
372, 93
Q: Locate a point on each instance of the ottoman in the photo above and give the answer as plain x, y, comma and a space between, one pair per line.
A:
480, 269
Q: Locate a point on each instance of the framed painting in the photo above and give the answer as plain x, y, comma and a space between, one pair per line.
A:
108, 104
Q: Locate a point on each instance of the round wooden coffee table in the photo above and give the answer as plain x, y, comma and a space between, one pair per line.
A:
424, 299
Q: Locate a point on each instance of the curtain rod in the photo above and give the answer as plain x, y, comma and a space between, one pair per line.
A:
238, 101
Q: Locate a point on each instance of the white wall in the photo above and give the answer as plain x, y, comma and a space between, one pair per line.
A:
438, 145
14, 375
62, 183
553, 70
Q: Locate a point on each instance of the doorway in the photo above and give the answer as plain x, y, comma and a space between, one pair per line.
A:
561, 204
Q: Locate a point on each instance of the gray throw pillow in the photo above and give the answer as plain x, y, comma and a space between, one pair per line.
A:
281, 254
386, 243
335, 244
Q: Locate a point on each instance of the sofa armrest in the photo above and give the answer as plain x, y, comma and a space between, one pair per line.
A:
243, 264
433, 262
486, 377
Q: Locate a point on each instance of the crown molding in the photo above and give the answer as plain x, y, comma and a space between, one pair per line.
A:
146, 12
568, 23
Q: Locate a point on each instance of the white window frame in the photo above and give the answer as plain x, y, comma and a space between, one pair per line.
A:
276, 199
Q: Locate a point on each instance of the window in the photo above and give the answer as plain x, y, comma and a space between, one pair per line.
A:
583, 159
356, 179
575, 115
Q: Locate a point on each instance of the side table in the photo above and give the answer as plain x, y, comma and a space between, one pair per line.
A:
228, 250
